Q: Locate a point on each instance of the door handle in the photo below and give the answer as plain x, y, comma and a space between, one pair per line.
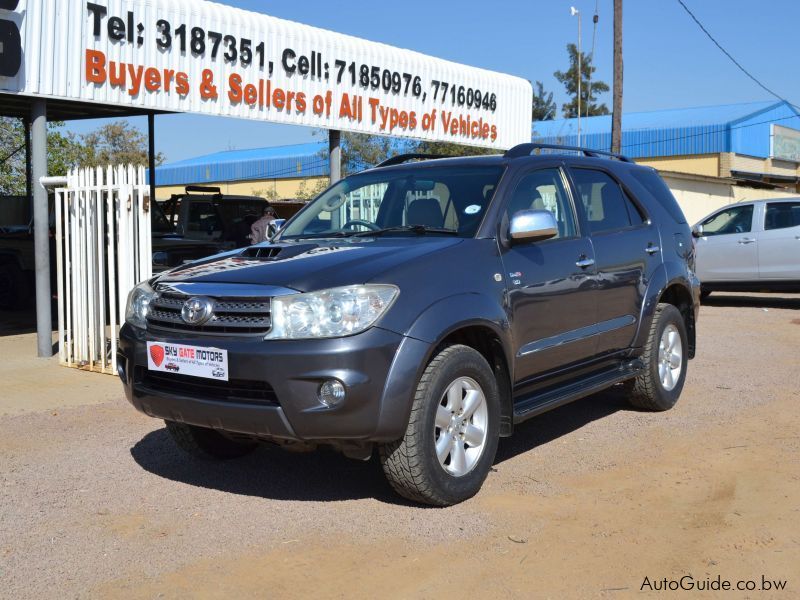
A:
652, 249
747, 240
585, 263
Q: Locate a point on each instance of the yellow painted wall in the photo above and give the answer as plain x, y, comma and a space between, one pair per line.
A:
696, 164
284, 188
699, 198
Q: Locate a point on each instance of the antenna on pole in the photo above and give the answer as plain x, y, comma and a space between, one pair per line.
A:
574, 11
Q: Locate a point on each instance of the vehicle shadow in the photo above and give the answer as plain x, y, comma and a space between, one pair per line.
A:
556, 423
325, 475
785, 301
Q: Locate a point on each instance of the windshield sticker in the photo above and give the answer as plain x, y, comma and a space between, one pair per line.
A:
472, 209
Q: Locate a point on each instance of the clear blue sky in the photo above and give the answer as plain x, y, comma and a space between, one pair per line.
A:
669, 63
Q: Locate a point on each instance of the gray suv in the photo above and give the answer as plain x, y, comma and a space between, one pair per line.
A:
423, 309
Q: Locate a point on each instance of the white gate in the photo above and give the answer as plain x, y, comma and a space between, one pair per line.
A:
103, 248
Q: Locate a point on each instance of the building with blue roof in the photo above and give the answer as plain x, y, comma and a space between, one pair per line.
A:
709, 155
275, 172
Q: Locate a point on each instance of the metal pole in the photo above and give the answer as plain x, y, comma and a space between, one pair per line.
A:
580, 77
335, 154
41, 230
616, 115
151, 154
28, 170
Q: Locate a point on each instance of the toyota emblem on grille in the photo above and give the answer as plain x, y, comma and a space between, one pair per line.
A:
197, 311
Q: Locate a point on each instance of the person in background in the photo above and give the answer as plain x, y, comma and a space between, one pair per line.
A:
259, 229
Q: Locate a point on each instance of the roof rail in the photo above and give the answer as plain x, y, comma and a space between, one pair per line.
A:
527, 150
403, 158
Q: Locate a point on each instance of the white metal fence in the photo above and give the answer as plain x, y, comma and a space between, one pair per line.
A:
103, 248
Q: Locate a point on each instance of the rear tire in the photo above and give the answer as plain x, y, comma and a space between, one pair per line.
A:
665, 357
206, 444
452, 435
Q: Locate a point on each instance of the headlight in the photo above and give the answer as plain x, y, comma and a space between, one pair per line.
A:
329, 313
139, 305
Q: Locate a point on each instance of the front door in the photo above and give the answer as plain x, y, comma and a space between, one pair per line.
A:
727, 250
550, 283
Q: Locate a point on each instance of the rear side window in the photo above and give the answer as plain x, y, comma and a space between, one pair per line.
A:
781, 215
659, 190
203, 217
607, 206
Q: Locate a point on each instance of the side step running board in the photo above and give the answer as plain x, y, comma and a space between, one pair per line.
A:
539, 403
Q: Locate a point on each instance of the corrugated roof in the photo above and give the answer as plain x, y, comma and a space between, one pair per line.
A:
742, 128
274, 162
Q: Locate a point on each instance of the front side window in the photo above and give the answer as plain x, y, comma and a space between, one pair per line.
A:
607, 206
544, 190
738, 219
782, 215
443, 200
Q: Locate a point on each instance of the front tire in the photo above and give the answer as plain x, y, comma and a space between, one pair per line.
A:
665, 357
452, 435
206, 444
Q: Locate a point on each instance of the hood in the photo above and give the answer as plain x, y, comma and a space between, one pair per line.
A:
306, 266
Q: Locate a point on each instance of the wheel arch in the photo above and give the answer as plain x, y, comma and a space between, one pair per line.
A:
670, 285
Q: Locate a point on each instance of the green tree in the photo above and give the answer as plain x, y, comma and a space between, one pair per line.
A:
117, 143
589, 87
449, 149
63, 153
544, 107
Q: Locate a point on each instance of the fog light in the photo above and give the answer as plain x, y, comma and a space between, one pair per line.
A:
331, 393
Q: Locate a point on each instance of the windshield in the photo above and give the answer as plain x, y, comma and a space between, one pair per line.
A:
437, 200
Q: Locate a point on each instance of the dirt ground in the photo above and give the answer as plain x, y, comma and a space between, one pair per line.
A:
592, 500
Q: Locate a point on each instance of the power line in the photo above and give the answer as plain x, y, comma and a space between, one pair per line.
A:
728, 54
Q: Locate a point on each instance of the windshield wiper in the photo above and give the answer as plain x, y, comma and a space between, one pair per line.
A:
418, 229
318, 236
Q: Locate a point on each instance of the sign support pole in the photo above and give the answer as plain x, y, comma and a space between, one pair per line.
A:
41, 230
335, 154
151, 154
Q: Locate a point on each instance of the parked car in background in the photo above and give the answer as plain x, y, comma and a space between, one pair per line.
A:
203, 221
423, 310
750, 246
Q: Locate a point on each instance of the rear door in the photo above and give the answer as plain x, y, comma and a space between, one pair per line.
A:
779, 242
727, 250
627, 250
550, 283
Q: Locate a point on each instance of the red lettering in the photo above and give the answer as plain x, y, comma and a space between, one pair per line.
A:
182, 83
235, 93
152, 80
95, 67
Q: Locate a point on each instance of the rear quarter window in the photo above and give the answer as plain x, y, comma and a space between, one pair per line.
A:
651, 181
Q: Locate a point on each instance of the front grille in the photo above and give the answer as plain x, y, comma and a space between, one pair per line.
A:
232, 316
242, 391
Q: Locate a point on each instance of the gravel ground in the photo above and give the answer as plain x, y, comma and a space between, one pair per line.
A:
97, 502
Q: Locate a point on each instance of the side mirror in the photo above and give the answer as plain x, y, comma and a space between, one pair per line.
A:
275, 227
533, 226
697, 231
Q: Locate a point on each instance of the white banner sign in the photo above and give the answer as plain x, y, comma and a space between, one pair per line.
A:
202, 57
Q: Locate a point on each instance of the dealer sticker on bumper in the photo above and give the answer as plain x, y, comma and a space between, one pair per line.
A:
211, 363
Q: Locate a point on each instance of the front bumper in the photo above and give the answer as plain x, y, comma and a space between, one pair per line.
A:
379, 369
